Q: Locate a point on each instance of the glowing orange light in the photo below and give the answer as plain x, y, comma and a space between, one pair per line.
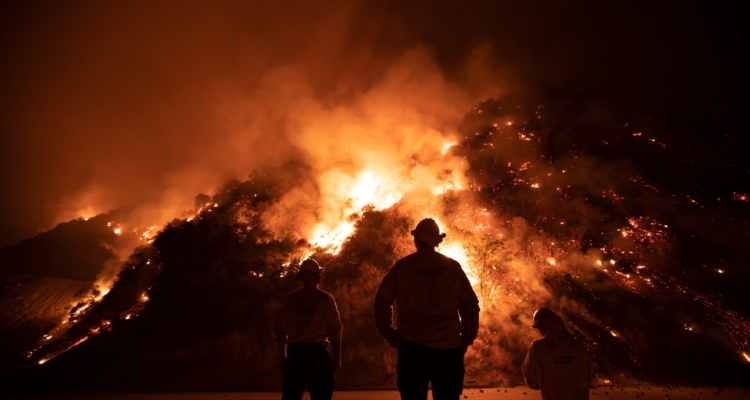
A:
333, 240
102, 292
368, 189
457, 252
448, 145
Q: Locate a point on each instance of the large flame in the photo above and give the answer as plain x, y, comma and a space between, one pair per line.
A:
367, 190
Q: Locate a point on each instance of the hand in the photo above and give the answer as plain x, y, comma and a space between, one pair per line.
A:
282, 364
394, 339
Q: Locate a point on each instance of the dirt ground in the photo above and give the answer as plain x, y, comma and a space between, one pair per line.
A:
517, 393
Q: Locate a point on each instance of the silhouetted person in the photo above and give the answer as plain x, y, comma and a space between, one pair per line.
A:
556, 363
307, 322
437, 318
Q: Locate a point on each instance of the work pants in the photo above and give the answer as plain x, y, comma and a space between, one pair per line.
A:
418, 364
307, 364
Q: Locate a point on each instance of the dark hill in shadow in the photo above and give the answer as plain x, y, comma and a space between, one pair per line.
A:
75, 249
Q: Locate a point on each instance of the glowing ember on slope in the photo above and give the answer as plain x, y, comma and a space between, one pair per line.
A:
644, 230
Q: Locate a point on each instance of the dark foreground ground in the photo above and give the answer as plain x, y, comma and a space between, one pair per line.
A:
517, 393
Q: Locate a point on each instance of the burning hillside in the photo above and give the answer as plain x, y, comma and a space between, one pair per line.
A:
543, 205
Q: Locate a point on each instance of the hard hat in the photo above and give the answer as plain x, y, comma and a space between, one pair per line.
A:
544, 313
428, 231
308, 266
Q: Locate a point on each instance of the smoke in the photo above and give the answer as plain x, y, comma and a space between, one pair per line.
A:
136, 103
147, 105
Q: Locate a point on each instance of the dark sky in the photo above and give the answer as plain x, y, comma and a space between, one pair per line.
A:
106, 104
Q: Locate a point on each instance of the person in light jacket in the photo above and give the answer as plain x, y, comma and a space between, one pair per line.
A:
438, 318
307, 322
556, 363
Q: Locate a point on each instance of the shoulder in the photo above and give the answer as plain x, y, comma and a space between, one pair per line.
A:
403, 262
421, 257
325, 295
448, 261
543, 341
293, 295
411, 258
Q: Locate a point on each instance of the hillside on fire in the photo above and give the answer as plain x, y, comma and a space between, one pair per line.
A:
618, 222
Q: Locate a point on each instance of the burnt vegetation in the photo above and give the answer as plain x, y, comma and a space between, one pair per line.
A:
194, 310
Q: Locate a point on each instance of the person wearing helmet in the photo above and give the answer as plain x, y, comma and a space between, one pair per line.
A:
307, 322
438, 317
556, 363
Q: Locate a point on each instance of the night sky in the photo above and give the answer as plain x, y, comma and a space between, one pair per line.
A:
107, 104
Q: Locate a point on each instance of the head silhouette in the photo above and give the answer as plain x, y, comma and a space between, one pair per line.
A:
428, 232
550, 324
309, 272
